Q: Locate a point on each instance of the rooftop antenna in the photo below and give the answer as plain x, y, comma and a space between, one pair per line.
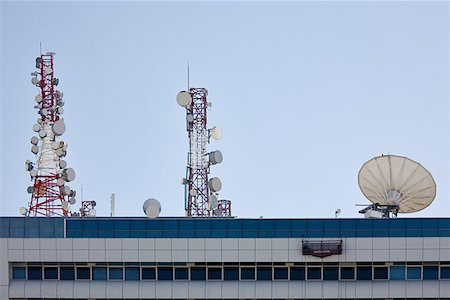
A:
395, 184
188, 75
113, 203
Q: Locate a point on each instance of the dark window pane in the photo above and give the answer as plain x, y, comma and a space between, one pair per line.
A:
297, 273
430, 272
132, 273
83, 273
165, 273
363, 273
445, 272
248, 273
214, 273
182, 273
380, 273
149, 273
51, 273
397, 273
280, 273
347, 273
67, 273
231, 273
116, 273
330, 273
34, 273
414, 273
264, 273
98, 273
198, 273
19, 273
314, 273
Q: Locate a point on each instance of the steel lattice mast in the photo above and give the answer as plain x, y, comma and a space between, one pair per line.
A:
49, 194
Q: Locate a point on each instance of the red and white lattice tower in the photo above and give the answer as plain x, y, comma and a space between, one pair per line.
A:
49, 174
200, 191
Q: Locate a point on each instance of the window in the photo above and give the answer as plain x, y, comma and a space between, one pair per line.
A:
181, 273
165, 273
380, 273
445, 272
280, 273
413, 273
198, 273
314, 273
231, 273
67, 273
297, 273
149, 273
99, 273
397, 273
347, 273
132, 273
248, 273
83, 273
363, 273
18, 273
264, 273
430, 272
330, 273
51, 273
214, 273
34, 273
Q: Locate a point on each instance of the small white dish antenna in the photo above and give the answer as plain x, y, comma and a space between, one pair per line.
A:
65, 205
60, 110
48, 71
34, 149
184, 99
215, 157
34, 140
215, 184
59, 127
213, 201
36, 127
38, 98
92, 212
30, 190
62, 164
397, 180
72, 201
39, 121
33, 173
66, 190
59, 152
23, 211
193, 192
42, 133
218, 212
152, 208
55, 145
216, 133
69, 174
34, 81
60, 182
44, 111
190, 118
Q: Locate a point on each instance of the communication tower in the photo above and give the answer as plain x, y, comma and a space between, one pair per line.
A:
49, 174
200, 191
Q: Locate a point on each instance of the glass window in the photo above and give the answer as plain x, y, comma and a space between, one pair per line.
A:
347, 273
280, 273
264, 273
51, 273
445, 272
116, 273
297, 273
430, 272
314, 273
99, 273
67, 273
397, 273
231, 273
248, 273
18, 273
414, 273
181, 273
83, 273
132, 273
214, 273
380, 273
198, 273
363, 273
149, 273
34, 273
165, 273
330, 273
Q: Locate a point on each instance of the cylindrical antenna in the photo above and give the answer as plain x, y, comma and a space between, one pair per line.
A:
113, 200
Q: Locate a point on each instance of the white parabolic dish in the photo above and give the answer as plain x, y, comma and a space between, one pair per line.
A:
152, 208
397, 180
184, 99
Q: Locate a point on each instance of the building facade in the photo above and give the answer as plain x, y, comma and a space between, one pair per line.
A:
217, 258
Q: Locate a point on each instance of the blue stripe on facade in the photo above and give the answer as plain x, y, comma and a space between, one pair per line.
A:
20, 227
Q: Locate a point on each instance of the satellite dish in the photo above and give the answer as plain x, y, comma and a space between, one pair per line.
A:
33, 173
69, 174
44, 111
60, 110
216, 133
59, 127
215, 157
193, 192
34, 149
42, 133
218, 212
152, 208
184, 99
39, 120
66, 190
55, 145
23, 211
92, 212
397, 180
59, 152
34, 140
73, 193
60, 182
36, 127
48, 71
65, 205
213, 201
72, 201
190, 118
30, 190
34, 80
215, 184
38, 98
62, 164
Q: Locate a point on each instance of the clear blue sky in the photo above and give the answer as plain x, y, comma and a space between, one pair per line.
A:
305, 93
